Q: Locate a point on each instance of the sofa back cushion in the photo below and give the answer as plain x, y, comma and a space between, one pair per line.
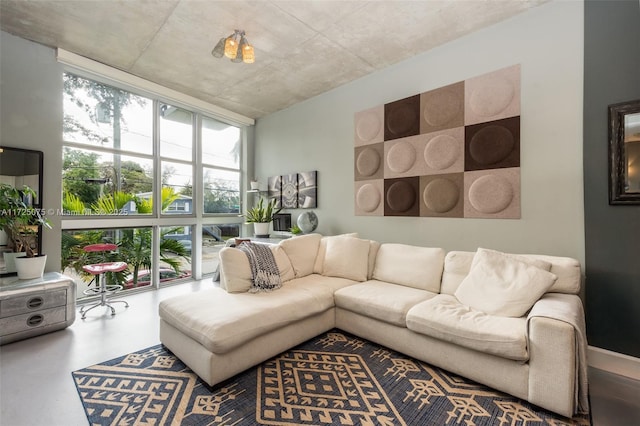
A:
457, 265
302, 252
318, 266
411, 266
346, 257
235, 271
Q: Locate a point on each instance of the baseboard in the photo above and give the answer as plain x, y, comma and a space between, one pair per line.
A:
614, 362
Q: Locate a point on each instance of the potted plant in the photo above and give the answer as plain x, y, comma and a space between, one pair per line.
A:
261, 216
20, 221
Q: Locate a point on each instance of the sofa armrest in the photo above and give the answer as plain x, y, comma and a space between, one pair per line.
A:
557, 353
551, 364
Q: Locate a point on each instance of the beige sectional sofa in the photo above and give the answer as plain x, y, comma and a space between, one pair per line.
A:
525, 338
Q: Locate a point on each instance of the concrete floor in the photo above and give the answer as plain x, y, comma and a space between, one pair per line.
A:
36, 387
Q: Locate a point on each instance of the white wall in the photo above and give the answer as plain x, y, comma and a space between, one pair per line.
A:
31, 118
548, 43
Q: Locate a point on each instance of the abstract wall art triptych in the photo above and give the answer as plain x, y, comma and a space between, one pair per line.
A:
449, 152
295, 190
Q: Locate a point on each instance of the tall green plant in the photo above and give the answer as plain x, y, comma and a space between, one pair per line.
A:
262, 213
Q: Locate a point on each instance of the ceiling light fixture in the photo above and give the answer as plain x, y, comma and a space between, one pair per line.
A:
235, 47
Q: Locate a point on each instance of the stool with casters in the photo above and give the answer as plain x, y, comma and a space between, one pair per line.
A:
98, 270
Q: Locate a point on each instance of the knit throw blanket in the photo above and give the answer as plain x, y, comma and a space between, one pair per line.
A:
265, 275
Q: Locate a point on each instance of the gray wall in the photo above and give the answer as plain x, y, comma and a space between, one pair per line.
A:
548, 43
31, 118
612, 233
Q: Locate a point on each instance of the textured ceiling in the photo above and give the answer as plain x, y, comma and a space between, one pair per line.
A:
303, 48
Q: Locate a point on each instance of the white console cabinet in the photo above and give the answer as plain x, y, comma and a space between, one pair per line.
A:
32, 307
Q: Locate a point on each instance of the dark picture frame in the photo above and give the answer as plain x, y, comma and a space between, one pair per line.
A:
624, 153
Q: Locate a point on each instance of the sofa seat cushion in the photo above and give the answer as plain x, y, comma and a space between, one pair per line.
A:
222, 321
319, 283
445, 318
380, 300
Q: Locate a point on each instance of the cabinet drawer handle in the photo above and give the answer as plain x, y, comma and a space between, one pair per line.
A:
35, 302
35, 320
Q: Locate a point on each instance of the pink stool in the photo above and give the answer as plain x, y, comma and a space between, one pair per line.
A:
98, 270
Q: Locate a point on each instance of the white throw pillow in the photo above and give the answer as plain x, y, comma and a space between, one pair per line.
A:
322, 249
538, 263
346, 257
235, 271
501, 284
302, 252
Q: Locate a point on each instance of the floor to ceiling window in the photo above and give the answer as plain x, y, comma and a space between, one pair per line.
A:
159, 180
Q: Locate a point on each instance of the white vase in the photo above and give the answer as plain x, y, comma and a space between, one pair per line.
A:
30, 267
261, 228
3, 238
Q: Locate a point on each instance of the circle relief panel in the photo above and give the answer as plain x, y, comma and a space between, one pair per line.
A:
401, 157
368, 198
441, 195
490, 194
441, 108
441, 152
492, 97
401, 196
491, 145
368, 162
401, 119
369, 126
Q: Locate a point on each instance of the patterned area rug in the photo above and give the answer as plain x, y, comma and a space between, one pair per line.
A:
333, 379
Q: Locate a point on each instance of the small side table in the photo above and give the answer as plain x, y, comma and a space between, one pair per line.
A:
32, 307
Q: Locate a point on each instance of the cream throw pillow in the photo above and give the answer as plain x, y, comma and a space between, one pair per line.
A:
302, 252
322, 249
503, 285
235, 271
346, 257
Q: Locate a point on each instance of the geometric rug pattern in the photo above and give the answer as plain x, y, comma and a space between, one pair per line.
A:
333, 379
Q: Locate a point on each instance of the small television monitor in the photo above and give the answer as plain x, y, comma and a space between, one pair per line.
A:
281, 222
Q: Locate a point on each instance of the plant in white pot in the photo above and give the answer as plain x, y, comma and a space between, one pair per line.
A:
20, 221
261, 216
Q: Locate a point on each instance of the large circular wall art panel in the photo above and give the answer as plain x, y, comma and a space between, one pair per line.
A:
401, 118
441, 195
401, 157
493, 193
493, 145
401, 197
492, 96
369, 198
368, 161
442, 152
369, 126
490, 194
442, 108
